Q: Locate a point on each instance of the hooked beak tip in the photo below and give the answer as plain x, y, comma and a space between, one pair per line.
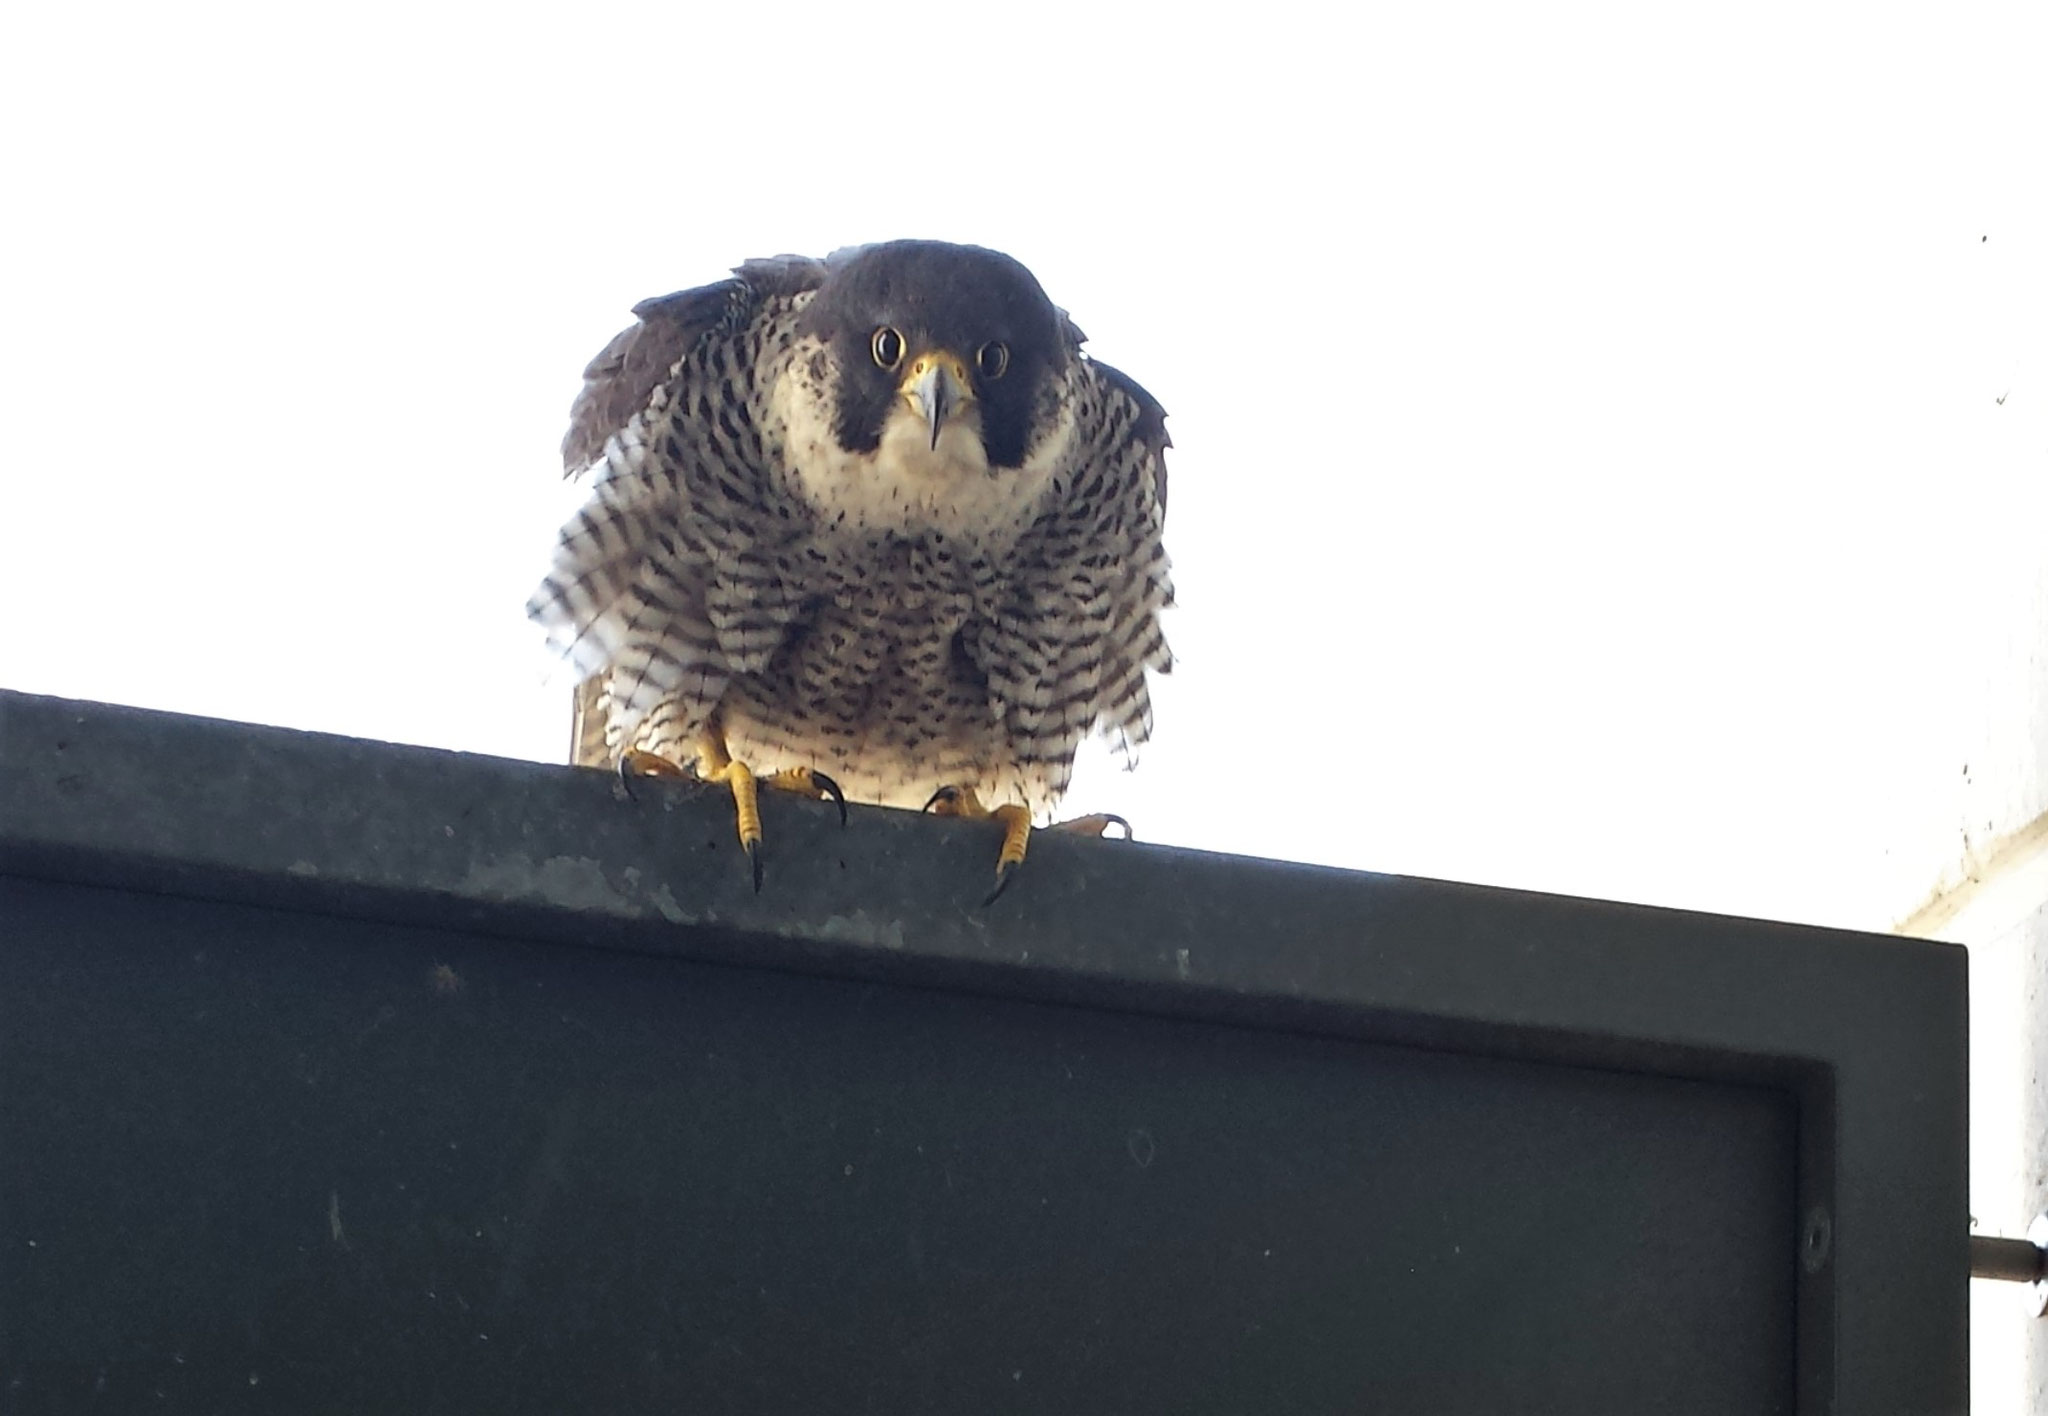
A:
937, 393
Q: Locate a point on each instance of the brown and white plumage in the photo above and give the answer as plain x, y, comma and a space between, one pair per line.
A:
945, 570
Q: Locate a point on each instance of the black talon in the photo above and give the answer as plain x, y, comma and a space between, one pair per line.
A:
626, 779
1109, 816
1003, 874
823, 783
754, 855
944, 794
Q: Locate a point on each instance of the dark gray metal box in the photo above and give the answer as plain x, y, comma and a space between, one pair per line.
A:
338, 1076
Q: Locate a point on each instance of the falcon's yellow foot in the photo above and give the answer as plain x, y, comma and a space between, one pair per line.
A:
716, 764
805, 781
1095, 825
957, 801
746, 803
634, 762
713, 764
962, 802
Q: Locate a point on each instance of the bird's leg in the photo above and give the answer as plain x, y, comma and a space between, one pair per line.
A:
1016, 820
715, 764
964, 803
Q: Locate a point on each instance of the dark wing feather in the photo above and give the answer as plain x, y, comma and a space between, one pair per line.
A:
1151, 426
1151, 429
624, 375
641, 358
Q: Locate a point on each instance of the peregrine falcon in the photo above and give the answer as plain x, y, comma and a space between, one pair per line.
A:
870, 527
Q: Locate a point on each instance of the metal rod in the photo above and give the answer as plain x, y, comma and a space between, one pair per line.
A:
2007, 1260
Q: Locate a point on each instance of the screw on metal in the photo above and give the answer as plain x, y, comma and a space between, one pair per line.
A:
2015, 1260
1816, 1237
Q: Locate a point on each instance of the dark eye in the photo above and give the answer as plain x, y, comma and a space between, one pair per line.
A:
888, 347
993, 360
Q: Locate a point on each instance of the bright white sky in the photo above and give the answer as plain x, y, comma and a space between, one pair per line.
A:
1590, 473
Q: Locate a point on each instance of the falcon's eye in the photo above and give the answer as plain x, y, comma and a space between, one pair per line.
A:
888, 347
993, 360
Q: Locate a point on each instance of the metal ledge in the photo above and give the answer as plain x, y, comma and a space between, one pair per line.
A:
1866, 1031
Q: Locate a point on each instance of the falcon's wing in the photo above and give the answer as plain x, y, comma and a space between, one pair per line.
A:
1069, 653
620, 381
611, 604
1149, 429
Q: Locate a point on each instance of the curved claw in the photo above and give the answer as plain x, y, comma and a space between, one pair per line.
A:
1097, 824
831, 789
959, 801
1003, 874
754, 856
635, 762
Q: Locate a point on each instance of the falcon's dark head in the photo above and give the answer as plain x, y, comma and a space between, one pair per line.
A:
941, 343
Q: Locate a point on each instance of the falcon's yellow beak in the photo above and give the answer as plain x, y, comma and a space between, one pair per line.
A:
937, 387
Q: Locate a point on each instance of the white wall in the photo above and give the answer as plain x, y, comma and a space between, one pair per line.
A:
2002, 915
